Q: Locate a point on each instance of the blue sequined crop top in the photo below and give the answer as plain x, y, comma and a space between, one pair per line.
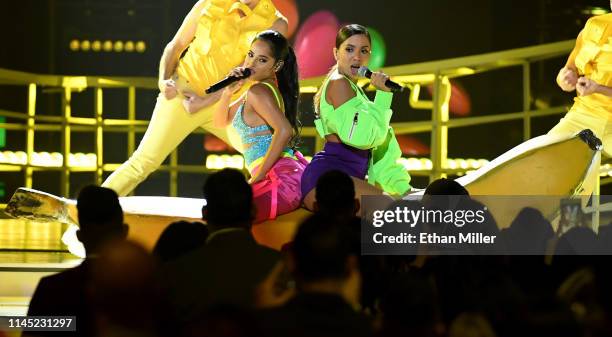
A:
255, 139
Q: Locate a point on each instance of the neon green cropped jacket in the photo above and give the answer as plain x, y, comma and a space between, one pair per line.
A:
364, 125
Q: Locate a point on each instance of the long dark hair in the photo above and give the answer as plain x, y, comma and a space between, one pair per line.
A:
287, 77
343, 34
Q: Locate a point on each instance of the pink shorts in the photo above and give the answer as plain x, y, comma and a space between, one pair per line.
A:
279, 192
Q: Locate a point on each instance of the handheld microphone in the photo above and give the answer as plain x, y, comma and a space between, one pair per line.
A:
228, 80
365, 72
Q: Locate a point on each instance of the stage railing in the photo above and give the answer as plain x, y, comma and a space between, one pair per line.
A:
439, 74
413, 76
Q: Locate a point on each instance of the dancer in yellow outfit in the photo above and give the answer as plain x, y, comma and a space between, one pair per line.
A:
214, 37
589, 71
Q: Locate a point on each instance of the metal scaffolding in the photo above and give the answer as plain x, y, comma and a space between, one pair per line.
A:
414, 76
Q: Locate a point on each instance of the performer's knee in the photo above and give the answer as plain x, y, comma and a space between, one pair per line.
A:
142, 165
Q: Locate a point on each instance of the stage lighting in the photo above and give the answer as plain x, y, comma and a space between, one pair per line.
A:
96, 45
483, 162
218, 162
472, 163
108, 45
213, 162
462, 163
419, 164
74, 45
11, 157
53, 159
141, 46
56, 159
129, 46
22, 157
595, 11
47, 160
410, 164
118, 46
85, 45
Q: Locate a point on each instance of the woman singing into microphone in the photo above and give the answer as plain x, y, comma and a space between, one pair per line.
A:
266, 118
212, 40
359, 140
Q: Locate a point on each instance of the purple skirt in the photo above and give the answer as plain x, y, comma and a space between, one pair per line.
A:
335, 156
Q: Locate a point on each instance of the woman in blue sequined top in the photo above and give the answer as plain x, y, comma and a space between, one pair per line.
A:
267, 121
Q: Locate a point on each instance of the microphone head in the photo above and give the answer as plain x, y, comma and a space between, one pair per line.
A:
364, 72
246, 72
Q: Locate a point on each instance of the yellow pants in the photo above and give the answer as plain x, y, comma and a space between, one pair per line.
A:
169, 125
579, 118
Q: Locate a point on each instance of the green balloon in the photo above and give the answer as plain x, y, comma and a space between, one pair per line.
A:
379, 50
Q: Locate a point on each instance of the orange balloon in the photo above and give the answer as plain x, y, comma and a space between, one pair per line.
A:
412, 146
460, 103
289, 9
214, 144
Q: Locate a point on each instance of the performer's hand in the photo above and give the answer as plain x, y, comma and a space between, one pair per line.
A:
238, 71
255, 179
586, 86
233, 88
192, 102
168, 88
378, 80
567, 79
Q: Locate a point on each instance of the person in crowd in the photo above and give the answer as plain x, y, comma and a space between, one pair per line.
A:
230, 265
65, 294
335, 196
178, 239
445, 186
328, 281
124, 292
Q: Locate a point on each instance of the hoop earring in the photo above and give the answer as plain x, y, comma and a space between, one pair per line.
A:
278, 66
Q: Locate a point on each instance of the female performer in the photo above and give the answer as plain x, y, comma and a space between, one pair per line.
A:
266, 118
213, 37
359, 139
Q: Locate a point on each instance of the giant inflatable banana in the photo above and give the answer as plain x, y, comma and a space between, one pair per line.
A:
542, 166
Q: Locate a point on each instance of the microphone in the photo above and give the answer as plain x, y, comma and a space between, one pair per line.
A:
365, 72
228, 80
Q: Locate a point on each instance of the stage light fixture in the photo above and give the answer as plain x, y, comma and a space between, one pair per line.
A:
74, 45
96, 45
141, 46
218, 162
85, 45
595, 11
53, 159
118, 46
107, 46
129, 46
419, 164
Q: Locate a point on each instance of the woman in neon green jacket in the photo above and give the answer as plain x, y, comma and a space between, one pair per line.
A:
359, 140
